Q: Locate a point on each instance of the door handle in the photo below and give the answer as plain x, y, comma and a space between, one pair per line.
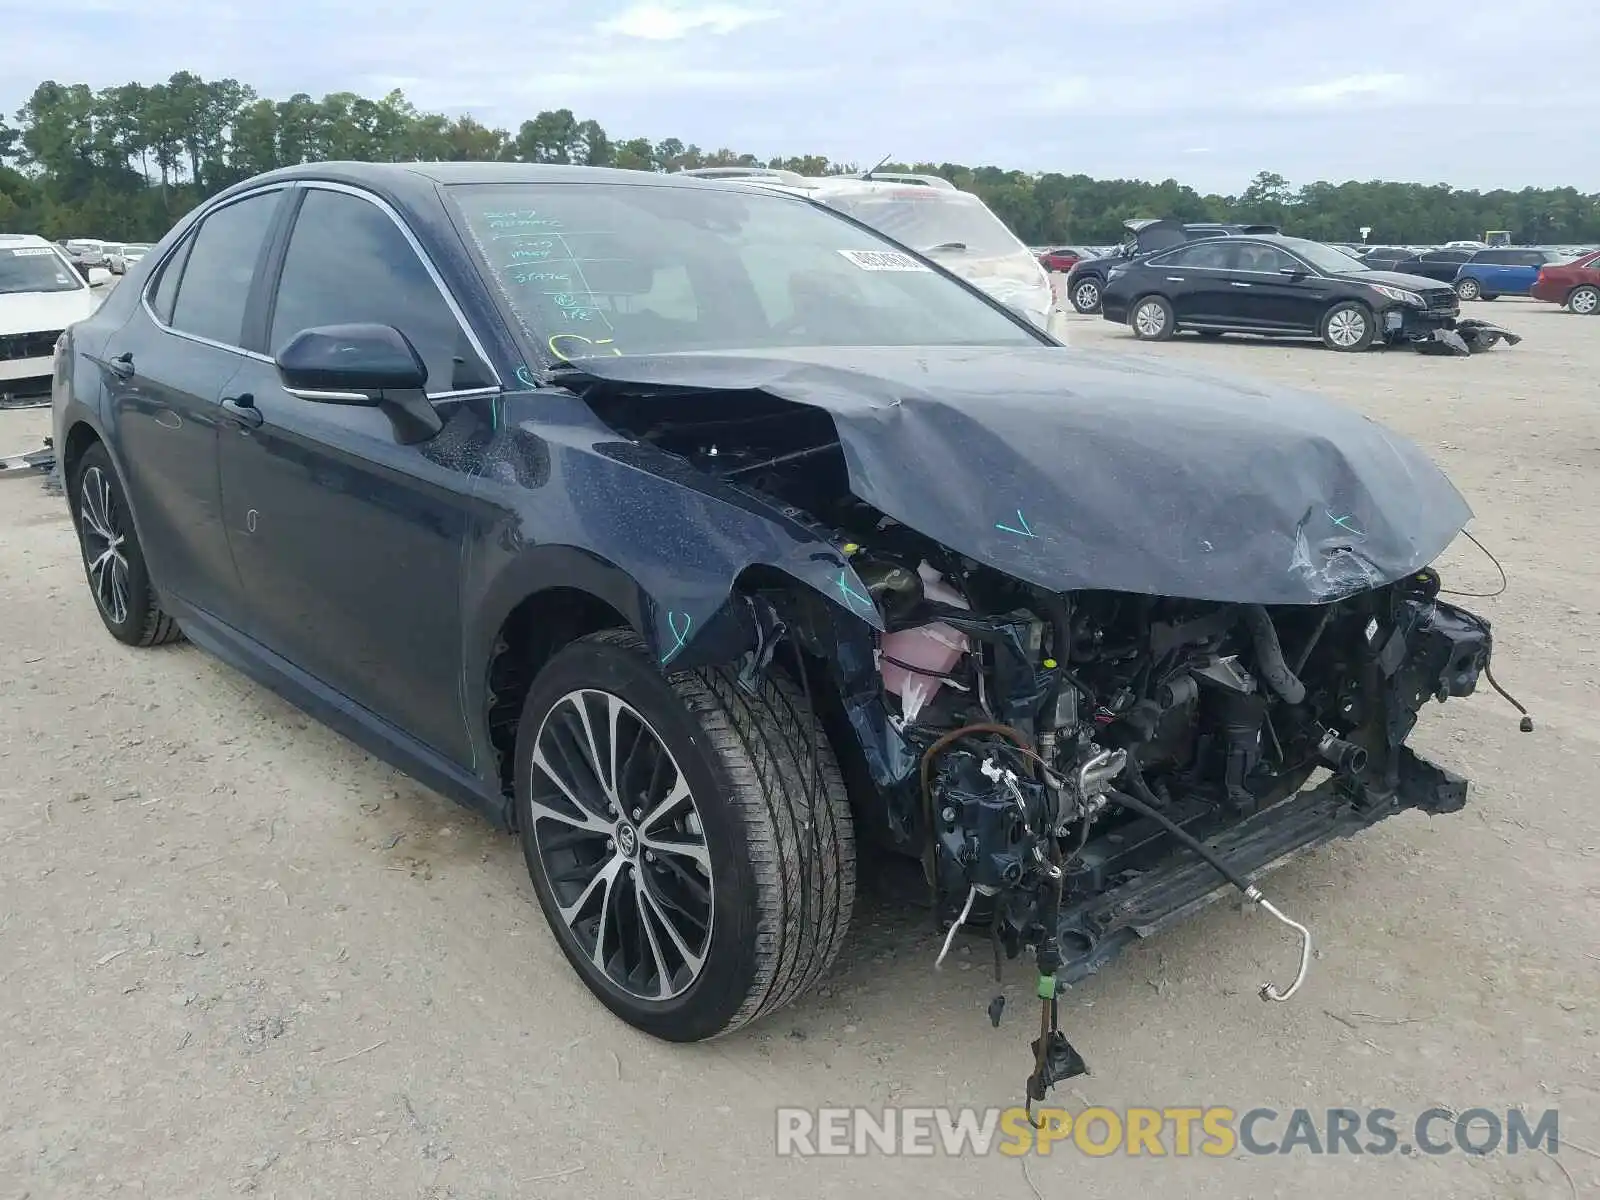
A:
122, 365
242, 410
1236, 283
1177, 279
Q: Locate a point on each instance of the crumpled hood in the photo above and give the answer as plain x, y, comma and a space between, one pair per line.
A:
1074, 470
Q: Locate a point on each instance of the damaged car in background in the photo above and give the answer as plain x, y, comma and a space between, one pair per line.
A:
1277, 286
737, 544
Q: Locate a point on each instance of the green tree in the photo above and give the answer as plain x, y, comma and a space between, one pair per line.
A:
126, 160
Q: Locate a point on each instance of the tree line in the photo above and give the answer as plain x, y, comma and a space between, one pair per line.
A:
128, 161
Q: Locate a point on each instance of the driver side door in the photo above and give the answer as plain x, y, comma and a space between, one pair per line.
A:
348, 543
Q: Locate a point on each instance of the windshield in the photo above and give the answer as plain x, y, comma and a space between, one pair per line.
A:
1325, 258
610, 269
931, 221
36, 269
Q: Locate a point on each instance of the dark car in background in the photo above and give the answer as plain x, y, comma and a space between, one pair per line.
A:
1278, 286
1504, 271
1574, 284
570, 492
1383, 258
1440, 265
1087, 278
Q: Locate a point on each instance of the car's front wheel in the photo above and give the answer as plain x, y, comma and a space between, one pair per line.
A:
1584, 301
691, 845
113, 561
1348, 327
1469, 289
1152, 319
1086, 296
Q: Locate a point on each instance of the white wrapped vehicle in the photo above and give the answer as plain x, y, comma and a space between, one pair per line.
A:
928, 214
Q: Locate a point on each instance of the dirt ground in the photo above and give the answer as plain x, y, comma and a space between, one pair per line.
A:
238, 955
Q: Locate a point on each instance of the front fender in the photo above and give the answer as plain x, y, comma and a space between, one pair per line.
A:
565, 502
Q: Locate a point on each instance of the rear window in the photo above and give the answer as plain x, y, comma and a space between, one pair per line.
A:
931, 220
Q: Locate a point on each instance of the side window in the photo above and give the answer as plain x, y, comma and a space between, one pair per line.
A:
1213, 253
166, 286
220, 266
1265, 260
349, 263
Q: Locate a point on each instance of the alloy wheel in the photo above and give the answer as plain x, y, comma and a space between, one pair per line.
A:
1087, 297
1585, 301
622, 846
1150, 319
100, 524
1347, 327
1467, 289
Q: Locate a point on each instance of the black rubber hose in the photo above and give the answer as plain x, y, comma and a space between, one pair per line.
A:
1055, 608
1182, 834
1269, 655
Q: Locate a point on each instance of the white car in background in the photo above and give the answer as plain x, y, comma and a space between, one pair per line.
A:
120, 258
930, 215
89, 251
41, 293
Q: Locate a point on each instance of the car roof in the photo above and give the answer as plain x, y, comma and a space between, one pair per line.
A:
382, 174
12, 240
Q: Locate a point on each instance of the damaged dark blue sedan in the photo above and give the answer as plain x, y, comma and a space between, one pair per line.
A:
712, 542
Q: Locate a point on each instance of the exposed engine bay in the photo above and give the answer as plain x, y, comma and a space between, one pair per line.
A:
1076, 770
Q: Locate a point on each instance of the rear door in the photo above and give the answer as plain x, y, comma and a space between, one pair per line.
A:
1523, 270
165, 370
348, 543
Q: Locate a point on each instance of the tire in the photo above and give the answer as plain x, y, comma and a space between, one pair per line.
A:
781, 855
1151, 319
1585, 301
1085, 295
1469, 289
1348, 327
113, 562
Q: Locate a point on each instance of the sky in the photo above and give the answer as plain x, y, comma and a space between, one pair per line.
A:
1475, 93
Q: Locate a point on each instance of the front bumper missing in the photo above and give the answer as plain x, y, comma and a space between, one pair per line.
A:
1439, 332
37, 462
1094, 932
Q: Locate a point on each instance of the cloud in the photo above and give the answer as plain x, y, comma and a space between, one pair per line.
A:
663, 23
1372, 86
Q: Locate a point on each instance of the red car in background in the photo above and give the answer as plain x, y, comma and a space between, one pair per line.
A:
1060, 260
1575, 284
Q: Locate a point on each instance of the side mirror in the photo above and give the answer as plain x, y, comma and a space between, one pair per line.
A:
366, 366
1293, 272
98, 276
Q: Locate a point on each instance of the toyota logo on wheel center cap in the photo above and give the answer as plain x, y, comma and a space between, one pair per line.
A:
627, 839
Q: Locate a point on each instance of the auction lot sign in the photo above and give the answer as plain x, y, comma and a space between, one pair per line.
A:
1170, 1132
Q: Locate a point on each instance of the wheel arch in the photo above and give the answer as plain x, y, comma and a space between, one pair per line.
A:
553, 595
75, 442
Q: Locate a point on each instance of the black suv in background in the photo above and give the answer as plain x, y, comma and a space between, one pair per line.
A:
1087, 279
1280, 286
